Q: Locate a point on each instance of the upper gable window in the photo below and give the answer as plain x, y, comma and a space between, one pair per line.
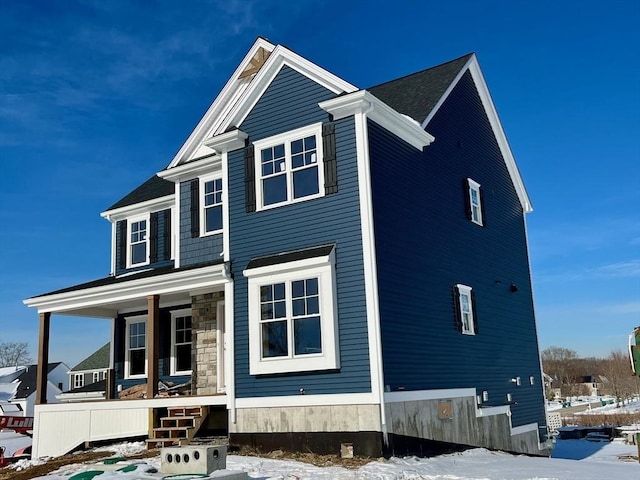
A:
475, 202
288, 167
211, 205
138, 241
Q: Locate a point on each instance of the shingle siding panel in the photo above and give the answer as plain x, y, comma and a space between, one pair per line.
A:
291, 102
199, 249
161, 261
428, 245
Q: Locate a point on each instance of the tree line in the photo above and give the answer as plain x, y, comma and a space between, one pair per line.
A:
612, 373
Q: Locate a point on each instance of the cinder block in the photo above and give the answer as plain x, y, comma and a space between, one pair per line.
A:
192, 459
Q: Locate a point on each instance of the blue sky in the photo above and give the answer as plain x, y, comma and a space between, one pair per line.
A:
97, 96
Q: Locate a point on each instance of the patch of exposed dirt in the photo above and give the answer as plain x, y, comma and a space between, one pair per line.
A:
53, 464
308, 457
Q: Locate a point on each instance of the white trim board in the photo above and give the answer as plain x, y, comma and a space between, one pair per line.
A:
307, 400
473, 67
176, 282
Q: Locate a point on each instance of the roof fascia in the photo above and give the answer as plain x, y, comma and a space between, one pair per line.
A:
364, 102
483, 91
192, 169
155, 204
228, 92
280, 57
175, 282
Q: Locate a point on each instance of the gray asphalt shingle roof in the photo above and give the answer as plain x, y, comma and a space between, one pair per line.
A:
155, 187
417, 94
96, 361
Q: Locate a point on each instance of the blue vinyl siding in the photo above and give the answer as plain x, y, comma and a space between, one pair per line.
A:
160, 244
425, 245
291, 102
196, 250
164, 355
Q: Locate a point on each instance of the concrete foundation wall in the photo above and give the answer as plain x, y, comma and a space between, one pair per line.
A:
459, 421
333, 418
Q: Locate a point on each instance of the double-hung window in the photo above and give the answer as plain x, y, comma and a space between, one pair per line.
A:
475, 204
181, 330
288, 167
78, 380
138, 241
211, 205
136, 347
292, 317
465, 308
95, 377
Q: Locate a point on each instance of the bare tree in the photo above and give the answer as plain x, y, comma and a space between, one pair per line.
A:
620, 381
562, 364
14, 353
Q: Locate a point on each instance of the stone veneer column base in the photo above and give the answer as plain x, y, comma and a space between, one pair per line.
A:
204, 353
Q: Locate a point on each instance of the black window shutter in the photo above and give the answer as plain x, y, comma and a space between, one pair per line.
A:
473, 311
481, 197
153, 237
250, 178
195, 208
121, 228
166, 244
467, 198
457, 315
330, 163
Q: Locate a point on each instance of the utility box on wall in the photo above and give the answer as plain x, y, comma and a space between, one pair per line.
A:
189, 459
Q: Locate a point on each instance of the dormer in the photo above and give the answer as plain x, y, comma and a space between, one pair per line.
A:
141, 227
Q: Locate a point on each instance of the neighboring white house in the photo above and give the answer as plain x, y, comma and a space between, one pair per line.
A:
18, 387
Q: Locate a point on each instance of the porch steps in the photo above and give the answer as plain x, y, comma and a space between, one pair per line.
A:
178, 427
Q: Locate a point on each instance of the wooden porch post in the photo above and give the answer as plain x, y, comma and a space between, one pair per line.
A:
42, 370
153, 344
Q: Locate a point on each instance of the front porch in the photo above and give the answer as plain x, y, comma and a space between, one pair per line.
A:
60, 428
168, 327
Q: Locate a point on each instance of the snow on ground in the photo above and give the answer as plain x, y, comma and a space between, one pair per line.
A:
597, 462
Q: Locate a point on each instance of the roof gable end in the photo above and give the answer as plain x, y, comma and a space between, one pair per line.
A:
243, 91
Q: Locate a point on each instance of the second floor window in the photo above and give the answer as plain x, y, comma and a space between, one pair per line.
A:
211, 205
138, 240
288, 167
78, 380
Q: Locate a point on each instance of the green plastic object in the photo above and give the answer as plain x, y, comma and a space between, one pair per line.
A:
128, 468
88, 475
112, 460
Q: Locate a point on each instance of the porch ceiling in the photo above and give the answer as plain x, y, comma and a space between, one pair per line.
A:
105, 298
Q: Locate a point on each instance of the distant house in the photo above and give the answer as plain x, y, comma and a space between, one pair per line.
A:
18, 387
92, 369
321, 264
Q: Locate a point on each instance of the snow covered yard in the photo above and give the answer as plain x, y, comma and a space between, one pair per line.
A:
594, 464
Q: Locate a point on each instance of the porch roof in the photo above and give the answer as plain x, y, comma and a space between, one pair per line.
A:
105, 297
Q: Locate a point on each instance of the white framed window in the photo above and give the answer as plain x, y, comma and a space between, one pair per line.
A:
78, 380
211, 198
474, 201
289, 167
466, 310
135, 363
104, 375
181, 330
96, 377
293, 317
138, 241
